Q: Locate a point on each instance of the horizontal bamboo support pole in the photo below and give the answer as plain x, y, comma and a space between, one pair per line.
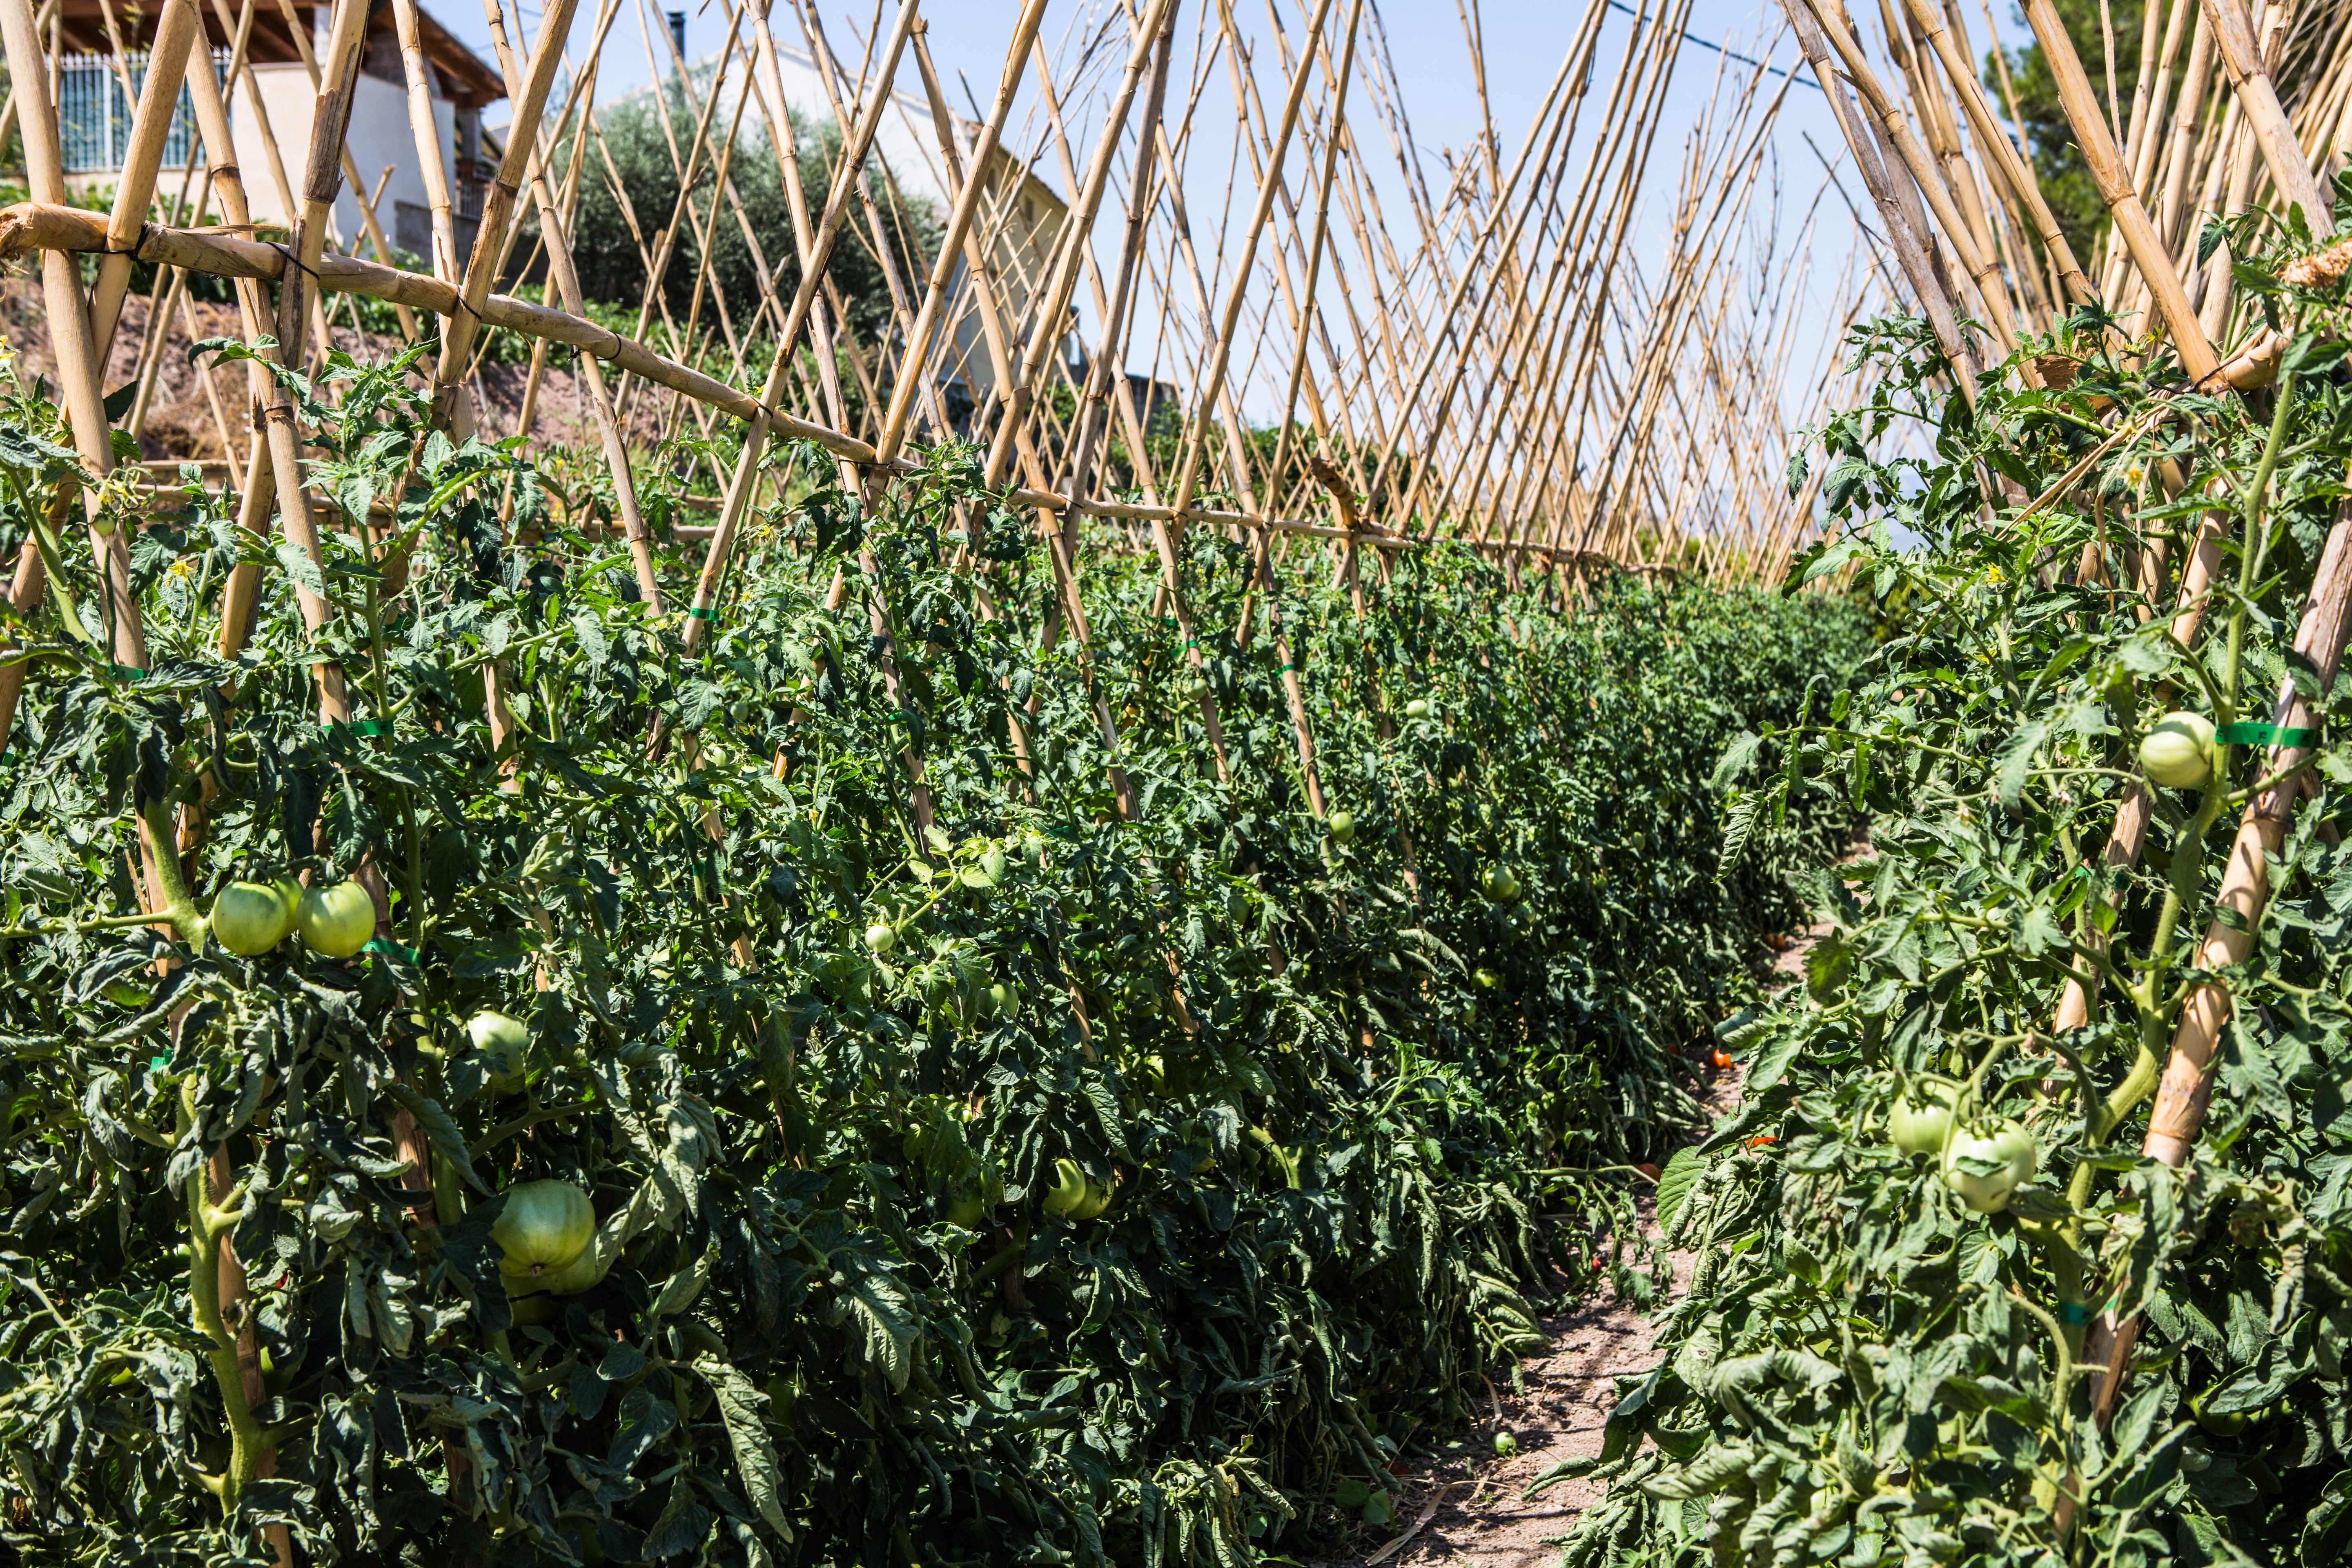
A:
37, 225
40, 225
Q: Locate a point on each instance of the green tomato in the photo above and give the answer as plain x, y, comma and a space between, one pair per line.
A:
337, 920
2178, 752
1342, 825
2220, 1423
1497, 883
1098, 1199
289, 893
1070, 1190
1004, 1001
880, 938
248, 918
1486, 979
502, 1043
545, 1228
577, 1274
570, 1279
535, 1310
968, 1210
1505, 1444
1194, 687
1919, 1126
1986, 1162
1417, 709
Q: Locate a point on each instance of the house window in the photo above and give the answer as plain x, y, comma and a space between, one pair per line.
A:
94, 114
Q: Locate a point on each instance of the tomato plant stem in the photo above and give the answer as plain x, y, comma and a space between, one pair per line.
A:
208, 1224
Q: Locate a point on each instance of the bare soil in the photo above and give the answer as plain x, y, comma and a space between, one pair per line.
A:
1462, 1515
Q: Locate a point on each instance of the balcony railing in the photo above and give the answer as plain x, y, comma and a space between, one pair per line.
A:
470, 180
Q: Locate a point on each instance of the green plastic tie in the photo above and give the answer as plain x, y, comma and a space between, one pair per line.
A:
359, 727
2250, 734
157, 1064
387, 947
130, 670
2074, 1312
701, 613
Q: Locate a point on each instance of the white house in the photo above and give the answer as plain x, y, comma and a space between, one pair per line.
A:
271, 117
1024, 213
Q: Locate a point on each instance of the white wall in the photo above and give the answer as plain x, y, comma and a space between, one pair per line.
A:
379, 135
905, 138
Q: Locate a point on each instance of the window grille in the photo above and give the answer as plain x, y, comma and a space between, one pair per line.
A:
94, 114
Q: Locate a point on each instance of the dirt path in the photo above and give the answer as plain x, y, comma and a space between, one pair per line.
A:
1465, 1514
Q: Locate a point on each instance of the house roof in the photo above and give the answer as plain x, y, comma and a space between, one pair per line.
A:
465, 79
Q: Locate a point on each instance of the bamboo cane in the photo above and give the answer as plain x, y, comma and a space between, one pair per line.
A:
566, 278
2187, 1086
2148, 250
958, 226
71, 336
177, 31
1054, 298
1645, 68
427, 134
35, 226
1394, 432
301, 34
2282, 150
884, 256
1918, 269
458, 337
1923, 170
812, 266
1189, 471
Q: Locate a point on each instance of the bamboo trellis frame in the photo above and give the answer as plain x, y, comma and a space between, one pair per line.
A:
1475, 300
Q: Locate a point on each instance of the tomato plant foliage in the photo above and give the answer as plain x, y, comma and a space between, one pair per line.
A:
1312, 1173
1865, 1370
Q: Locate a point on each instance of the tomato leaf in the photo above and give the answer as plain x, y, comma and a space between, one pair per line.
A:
681, 1289
740, 1405
1675, 1181
440, 1133
1108, 1114
1773, 1064
2014, 763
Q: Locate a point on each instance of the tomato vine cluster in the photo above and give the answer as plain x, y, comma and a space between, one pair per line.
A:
1953, 1302
871, 1089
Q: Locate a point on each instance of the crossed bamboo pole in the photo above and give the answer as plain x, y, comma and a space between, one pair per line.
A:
1398, 356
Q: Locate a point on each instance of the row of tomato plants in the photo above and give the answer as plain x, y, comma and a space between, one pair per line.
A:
1935, 1199
1061, 1178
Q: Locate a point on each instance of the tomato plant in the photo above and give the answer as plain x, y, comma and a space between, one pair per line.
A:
1887, 1353
872, 1089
